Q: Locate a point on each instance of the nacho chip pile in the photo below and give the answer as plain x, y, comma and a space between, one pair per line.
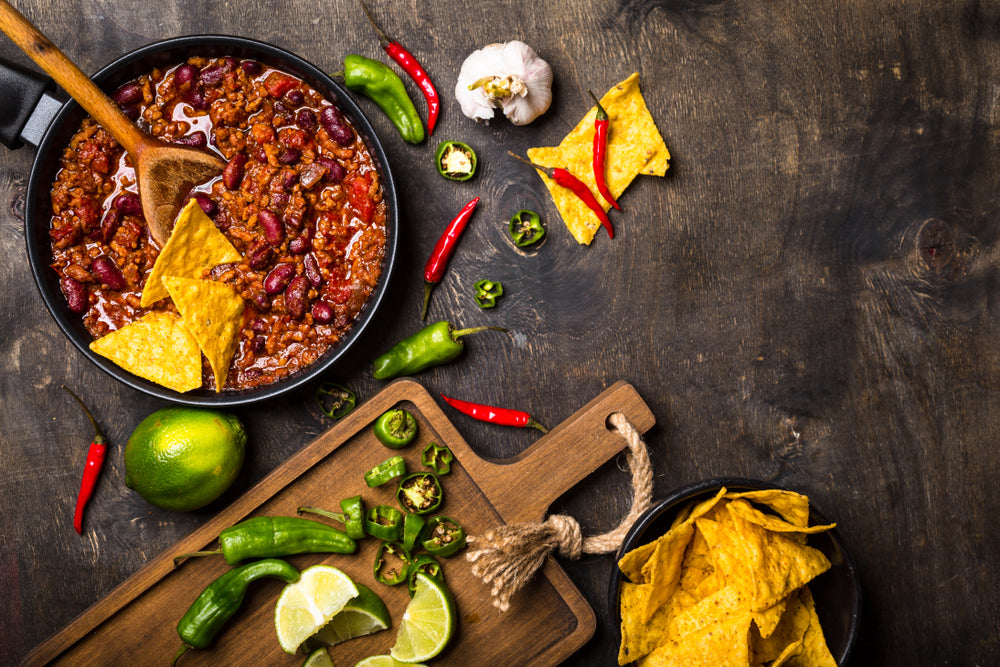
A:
726, 585
164, 348
634, 147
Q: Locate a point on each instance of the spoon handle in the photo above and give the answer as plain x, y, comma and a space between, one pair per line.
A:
62, 70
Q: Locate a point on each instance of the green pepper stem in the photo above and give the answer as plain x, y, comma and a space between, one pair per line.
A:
336, 516
428, 288
458, 333
177, 656
196, 554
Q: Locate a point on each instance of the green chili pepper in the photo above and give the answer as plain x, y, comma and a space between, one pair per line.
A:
395, 428
526, 228
413, 526
384, 522
386, 471
222, 598
487, 293
434, 345
383, 86
266, 537
334, 400
425, 563
455, 160
420, 493
444, 536
392, 562
352, 515
438, 458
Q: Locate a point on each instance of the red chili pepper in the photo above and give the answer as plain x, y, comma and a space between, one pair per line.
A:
92, 468
493, 415
579, 188
443, 250
600, 151
411, 66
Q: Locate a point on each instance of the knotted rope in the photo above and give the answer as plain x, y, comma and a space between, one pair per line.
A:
509, 555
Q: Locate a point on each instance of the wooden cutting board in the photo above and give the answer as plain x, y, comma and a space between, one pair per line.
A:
546, 622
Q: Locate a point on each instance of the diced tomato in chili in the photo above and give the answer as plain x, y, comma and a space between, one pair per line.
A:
92, 153
277, 84
361, 200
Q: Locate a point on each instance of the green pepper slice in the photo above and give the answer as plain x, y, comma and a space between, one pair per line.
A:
526, 228
487, 293
425, 563
352, 515
334, 400
445, 536
455, 160
395, 428
420, 493
413, 526
384, 522
392, 562
386, 471
438, 458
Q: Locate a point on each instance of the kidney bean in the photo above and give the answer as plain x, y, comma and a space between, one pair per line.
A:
213, 74
232, 175
322, 312
296, 297
205, 202
75, 293
251, 67
196, 98
130, 93
274, 230
260, 258
279, 277
335, 126
196, 139
295, 97
311, 267
128, 203
107, 272
260, 299
131, 111
335, 171
300, 245
185, 74
110, 223
293, 218
257, 344
279, 199
259, 325
289, 177
289, 155
306, 119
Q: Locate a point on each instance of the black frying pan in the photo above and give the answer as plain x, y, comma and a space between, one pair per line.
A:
23, 113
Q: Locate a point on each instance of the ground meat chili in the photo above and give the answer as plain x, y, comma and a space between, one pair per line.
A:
300, 199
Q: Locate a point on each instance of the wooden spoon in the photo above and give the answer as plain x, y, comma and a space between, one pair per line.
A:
165, 172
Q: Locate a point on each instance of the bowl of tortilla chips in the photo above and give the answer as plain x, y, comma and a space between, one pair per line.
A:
735, 572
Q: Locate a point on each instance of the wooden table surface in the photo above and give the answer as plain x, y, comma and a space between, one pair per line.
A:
777, 299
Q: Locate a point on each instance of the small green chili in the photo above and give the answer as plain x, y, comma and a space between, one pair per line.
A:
455, 160
334, 400
413, 526
444, 536
383, 86
487, 293
352, 515
434, 345
438, 458
420, 493
384, 522
386, 471
392, 562
395, 428
425, 563
526, 228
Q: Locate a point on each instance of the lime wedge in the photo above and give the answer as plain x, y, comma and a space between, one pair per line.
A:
382, 661
308, 604
318, 658
362, 615
428, 622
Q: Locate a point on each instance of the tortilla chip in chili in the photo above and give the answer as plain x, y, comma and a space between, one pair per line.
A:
213, 313
195, 246
634, 147
157, 347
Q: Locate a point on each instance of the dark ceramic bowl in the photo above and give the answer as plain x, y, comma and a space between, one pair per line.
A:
65, 123
837, 592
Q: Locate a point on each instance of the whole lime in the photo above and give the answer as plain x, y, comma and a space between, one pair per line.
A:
183, 458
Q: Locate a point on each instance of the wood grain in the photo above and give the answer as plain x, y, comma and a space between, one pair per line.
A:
771, 299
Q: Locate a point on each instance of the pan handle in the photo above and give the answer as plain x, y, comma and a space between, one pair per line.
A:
27, 107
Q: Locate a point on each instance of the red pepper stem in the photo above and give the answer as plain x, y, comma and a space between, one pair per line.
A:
428, 288
196, 554
601, 113
548, 171
98, 434
458, 333
382, 37
535, 424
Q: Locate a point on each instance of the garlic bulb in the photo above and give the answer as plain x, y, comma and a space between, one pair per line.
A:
510, 76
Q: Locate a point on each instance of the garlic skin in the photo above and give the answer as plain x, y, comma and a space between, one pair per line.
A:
508, 76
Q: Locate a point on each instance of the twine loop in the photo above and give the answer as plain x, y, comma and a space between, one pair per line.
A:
508, 556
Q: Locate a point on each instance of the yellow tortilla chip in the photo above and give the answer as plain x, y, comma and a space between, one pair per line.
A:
195, 245
773, 523
634, 146
794, 507
722, 644
213, 313
156, 347
798, 640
